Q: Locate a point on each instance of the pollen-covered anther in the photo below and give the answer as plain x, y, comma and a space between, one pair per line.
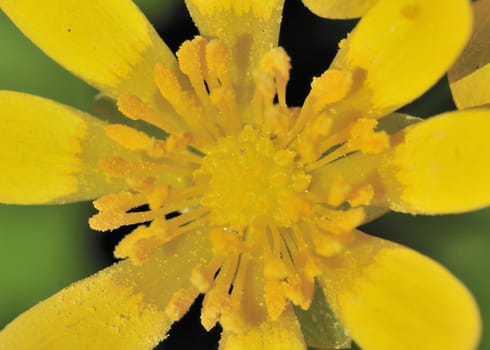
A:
129, 138
363, 195
170, 88
214, 302
191, 56
277, 120
226, 242
299, 290
307, 263
265, 91
158, 196
201, 278
121, 201
331, 87
275, 298
326, 244
218, 62
187, 105
107, 220
232, 316
309, 141
275, 269
276, 64
180, 302
140, 244
134, 108
341, 222
223, 99
363, 137
192, 62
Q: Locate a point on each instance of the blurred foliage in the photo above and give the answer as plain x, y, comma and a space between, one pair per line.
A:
44, 248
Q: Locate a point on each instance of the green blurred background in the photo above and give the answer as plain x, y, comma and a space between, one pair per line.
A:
45, 248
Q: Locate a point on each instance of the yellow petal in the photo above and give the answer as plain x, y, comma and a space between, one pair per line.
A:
469, 76
109, 44
441, 165
339, 8
321, 329
354, 169
398, 50
122, 307
50, 152
281, 334
391, 297
249, 28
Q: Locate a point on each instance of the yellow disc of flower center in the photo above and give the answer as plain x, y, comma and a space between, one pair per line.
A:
250, 182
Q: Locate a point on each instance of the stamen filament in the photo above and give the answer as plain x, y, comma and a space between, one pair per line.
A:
135, 109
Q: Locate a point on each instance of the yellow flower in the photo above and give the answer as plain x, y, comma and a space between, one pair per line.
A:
268, 196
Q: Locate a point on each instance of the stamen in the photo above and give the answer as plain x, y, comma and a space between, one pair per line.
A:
122, 201
226, 242
362, 196
187, 217
276, 64
325, 244
219, 62
111, 220
221, 91
309, 141
364, 138
158, 196
202, 276
233, 314
277, 120
217, 298
198, 223
130, 138
340, 222
338, 192
185, 104
331, 87
251, 185
275, 298
224, 100
191, 56
270, 80
299, 290
135, 109
274, 268
142, 242
263, 97
181, 302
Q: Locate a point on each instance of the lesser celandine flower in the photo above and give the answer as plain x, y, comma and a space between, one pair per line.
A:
268, 196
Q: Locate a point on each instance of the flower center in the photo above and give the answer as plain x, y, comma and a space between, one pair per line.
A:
242, 167
251, 182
